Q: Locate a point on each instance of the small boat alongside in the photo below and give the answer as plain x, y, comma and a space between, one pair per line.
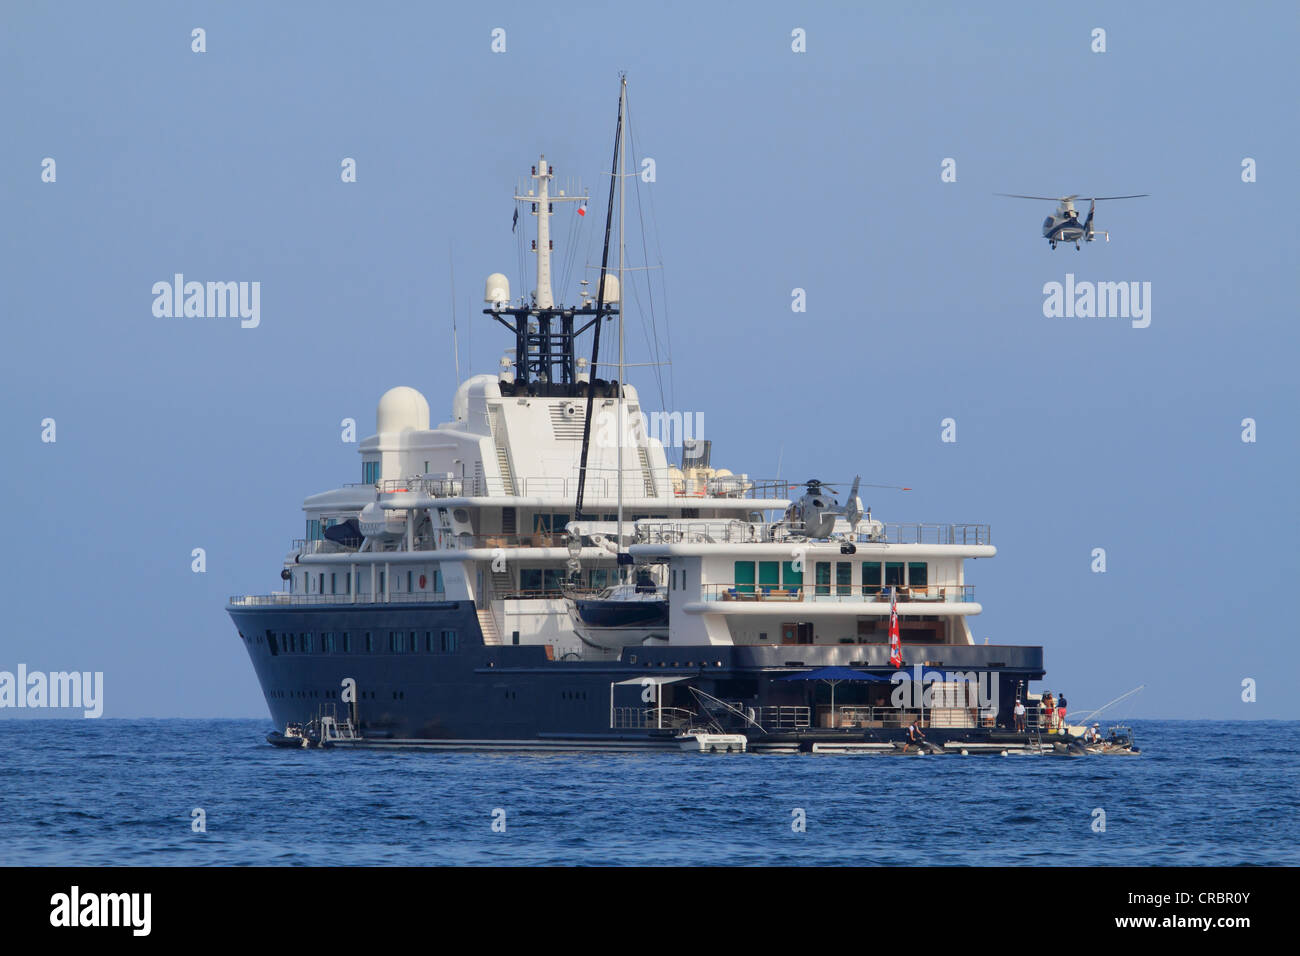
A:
710, 742
295, 736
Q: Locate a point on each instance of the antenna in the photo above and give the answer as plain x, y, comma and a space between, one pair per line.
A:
455, 342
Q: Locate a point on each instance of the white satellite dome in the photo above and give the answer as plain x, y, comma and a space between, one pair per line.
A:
497, 289
402, 409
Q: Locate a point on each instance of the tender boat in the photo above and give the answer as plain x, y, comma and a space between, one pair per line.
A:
709, 742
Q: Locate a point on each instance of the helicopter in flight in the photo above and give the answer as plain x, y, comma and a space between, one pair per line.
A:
1063, 225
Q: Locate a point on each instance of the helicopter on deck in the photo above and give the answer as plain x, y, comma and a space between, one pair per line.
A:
1063, 225
815, 513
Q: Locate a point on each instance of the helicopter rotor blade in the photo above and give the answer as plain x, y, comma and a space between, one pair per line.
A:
1070, 198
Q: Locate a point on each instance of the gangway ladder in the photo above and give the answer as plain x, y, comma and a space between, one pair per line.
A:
503, 459
487, 622
1036, 735
332, 730
647, 473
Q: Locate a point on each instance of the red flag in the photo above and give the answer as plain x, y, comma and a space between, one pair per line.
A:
895, 644
582, 210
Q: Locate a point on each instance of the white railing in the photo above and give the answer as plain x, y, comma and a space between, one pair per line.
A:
600, 483
285, 599
649, 718
784, 716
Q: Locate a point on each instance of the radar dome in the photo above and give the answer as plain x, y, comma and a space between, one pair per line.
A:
402, 409
497, 289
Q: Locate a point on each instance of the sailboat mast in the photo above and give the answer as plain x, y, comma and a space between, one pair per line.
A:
602, 308
622, 204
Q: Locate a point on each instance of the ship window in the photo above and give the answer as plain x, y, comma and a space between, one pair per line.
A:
552, 579
550, 523
448, 642
410, 580
871, 577
789, 576
769, 575
321, 582
382, 583
369, 472
823, 570
306, 643
347, 643
396, 642
917, 574
327, 643
414, 644
530, 579
428, 641
313, 529
843, 577
334, 583
745, 577
370, 643
893, 574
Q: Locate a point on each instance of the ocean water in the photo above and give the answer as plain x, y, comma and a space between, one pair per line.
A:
86, 792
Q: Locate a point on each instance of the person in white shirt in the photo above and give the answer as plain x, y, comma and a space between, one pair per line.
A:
1020, 715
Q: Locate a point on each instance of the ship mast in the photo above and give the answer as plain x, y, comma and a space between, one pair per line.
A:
542, 173
545, 334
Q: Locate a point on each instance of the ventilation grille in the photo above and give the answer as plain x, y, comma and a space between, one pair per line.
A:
567, 419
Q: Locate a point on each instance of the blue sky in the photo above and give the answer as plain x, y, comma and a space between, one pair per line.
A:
775, 170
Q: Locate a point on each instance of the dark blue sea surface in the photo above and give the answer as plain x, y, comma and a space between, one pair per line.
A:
95, 792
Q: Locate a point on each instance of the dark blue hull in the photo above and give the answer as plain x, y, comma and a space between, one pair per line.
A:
458, 691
